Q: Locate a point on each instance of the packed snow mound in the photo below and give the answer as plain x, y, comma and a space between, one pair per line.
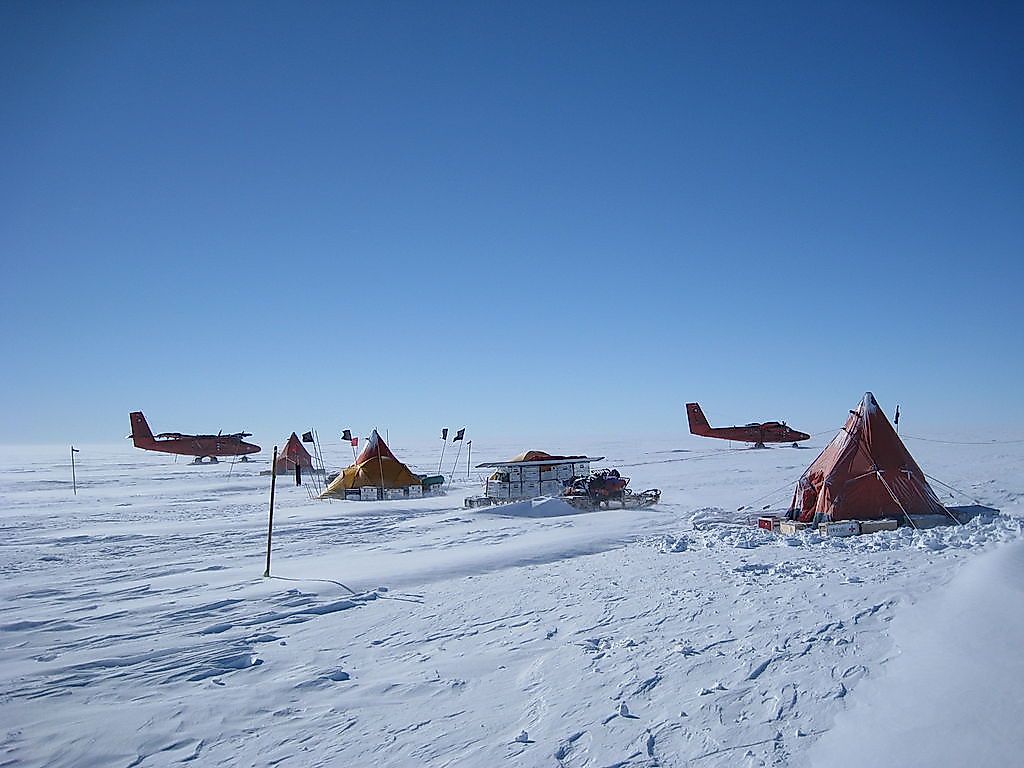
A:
711, 529
941, 701
543, 506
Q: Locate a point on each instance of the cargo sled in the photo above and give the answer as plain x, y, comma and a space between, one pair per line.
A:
607, 489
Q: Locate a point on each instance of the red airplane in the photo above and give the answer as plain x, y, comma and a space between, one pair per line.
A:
759, 434
200, 446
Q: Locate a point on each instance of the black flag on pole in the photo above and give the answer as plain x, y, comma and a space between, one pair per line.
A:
444, 433
458, 435
307, 437
897, 418
347, 435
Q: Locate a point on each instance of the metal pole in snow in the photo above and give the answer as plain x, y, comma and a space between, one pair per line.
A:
74, 481
469, 457
443, 446
270, 525
456, 462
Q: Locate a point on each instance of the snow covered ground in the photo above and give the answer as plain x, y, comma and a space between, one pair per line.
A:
136, 629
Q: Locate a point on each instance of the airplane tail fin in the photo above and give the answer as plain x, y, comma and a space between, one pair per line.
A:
698, 421
141, 433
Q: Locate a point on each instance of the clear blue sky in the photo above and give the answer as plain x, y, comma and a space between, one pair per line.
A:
532, 219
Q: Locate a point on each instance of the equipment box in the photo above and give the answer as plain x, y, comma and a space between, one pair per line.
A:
415, 491
792, 526
873, 526
498, 490
368, 493
391, 494
768, 523
841, 528
551, 487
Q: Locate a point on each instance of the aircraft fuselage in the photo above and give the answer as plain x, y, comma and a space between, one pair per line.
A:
758, 433
188, 445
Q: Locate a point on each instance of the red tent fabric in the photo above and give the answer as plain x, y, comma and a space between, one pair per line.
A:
294, 452
375, 447
865, 473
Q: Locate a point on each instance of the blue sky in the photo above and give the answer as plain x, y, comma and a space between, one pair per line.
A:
532, 219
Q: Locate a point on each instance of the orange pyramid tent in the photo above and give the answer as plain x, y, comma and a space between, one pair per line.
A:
376, 467
294, 453
865, 473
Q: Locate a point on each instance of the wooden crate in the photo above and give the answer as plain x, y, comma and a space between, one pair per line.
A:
840, 528
873, 526
792, 526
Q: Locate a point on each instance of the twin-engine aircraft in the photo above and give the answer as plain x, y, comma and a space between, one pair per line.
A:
200, 446
759, 434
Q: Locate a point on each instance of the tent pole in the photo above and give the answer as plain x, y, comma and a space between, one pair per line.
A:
270, 524
320, 457
380, 464
317, 458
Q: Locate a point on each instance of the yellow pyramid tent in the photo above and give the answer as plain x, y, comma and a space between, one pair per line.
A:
376, 467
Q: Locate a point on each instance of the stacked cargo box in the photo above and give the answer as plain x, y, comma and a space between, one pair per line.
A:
527, 482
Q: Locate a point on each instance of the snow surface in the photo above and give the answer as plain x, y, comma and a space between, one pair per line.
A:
136, 629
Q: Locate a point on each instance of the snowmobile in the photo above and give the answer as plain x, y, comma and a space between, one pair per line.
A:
606, 489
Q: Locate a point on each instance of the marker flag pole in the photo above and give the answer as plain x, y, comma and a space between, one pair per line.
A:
469, 457
458, 437
352, 441
444, 437
318, 463
270, 525
74, 480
